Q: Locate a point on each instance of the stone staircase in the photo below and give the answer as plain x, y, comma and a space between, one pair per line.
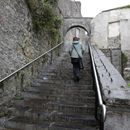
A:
55, 101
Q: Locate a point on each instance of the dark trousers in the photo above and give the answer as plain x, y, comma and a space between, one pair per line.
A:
76, 67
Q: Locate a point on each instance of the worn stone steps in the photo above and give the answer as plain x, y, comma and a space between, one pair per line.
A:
61, 97
62, 82
7, 129
68, 67
68, 128
53, 115
63, 77
50, 106
55, 102
24, 123
66, 86
55, 92
59, 87
68, 79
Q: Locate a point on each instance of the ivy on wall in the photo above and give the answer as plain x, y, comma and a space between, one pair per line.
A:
45, 18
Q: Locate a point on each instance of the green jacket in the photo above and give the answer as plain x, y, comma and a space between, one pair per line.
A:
80, 49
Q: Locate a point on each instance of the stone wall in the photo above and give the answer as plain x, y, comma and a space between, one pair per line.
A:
19, 44
70, 8
115, 93
108, 28
14, 85
114, 56
111, 30
126, 69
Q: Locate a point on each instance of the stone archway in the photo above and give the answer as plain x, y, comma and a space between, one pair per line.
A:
77, 26
81, 22
78, 23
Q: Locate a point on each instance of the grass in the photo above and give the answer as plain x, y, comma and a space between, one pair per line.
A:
18, 97
2, 114
128, 84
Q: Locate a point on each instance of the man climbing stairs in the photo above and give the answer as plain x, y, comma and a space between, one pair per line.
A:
55, 101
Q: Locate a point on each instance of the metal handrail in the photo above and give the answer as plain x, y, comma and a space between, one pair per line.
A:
99, 96
31, 62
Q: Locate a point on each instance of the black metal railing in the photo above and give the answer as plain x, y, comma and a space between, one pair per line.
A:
100, 108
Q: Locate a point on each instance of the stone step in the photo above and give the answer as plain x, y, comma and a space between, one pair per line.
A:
57, 80
61, 83
2, 128
49, 107
63, 69
82, 82
54, 86
24, 123
51, 116
59, 98
61, 77
68, 67
50, 89
3, 123
38, 101
70, 109
7, 129
37, 106
66, 100
74, 86
82, 120
68, 128
65, 77
55, 92
69, 74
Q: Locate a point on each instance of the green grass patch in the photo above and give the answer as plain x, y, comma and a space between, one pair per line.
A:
18, 97
2, 114
128, 84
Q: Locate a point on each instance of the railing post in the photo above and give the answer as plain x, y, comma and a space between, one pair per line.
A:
51, 57
101, 125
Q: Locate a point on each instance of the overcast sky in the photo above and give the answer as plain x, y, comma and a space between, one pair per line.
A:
90, 8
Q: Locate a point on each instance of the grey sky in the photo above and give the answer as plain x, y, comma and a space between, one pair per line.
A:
90, 8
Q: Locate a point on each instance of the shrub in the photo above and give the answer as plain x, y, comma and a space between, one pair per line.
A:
45, 18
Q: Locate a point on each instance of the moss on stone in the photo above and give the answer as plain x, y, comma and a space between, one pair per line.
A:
2, 114
45, 18
124, 59
18, 97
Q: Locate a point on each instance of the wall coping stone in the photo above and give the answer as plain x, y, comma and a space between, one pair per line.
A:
114, 88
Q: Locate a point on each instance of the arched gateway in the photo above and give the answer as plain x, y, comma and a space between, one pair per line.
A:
72, 22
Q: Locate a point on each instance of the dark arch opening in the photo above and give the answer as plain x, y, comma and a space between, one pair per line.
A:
84, 35
76, 26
